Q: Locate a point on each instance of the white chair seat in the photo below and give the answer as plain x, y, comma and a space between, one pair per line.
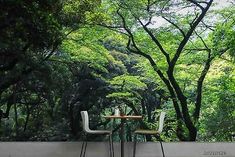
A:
87, 130
151, 132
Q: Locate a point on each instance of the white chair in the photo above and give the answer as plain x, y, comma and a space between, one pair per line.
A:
151, 132
87, 130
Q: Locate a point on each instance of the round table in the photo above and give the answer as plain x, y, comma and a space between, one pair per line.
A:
123, 119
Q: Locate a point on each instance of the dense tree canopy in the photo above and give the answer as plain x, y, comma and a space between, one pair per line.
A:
188, 35
60, 57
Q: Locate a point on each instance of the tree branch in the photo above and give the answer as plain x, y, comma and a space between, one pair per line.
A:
212, 28
153, 64
155, 40
188, 34
197, 49
204, 43
196, 3
175, 25
113, 28
199, 87
180, 95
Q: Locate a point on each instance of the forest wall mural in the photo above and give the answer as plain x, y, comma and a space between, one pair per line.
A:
60, 57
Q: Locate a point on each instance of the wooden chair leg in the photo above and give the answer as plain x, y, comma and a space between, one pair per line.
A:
112, 145
163, 153
111, 150
84, 146
134, 147
85, 149
81, 153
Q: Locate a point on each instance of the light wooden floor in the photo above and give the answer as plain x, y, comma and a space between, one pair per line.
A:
100, 149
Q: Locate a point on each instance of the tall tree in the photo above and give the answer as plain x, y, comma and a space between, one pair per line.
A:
138, 20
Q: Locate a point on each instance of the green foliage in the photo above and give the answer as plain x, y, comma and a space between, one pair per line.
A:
224, 35
58, 58
218, 111
126, 88
128, 82
32, 77
74, 11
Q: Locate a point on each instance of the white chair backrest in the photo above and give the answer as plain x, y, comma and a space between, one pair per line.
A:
85, 121
161, 121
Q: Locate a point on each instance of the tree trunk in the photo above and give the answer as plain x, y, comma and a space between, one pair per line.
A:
71, 117
27, 117
16, 120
